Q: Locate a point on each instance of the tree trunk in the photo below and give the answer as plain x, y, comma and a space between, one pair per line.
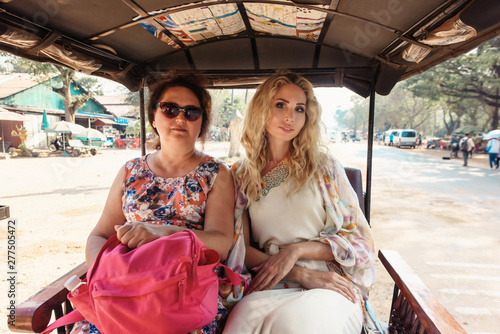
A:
234, 144
69, 113
65, 91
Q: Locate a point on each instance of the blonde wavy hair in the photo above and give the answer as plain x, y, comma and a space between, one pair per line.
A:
305, 156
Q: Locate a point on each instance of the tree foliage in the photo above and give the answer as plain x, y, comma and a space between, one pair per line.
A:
59, 79
466, 88
224, 105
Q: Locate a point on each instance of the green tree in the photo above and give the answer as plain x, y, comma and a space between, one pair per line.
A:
357, 117
461, 85
402, 109
223, 115
339, 117
59, 79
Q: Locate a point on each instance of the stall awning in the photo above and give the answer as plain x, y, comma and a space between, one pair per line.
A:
105, 121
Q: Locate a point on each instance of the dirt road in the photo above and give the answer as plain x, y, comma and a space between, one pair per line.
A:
58, 200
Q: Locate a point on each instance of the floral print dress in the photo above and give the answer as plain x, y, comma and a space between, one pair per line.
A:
179, 201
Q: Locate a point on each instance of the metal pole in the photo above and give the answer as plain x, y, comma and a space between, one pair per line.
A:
369, 154
142, 120
3, 140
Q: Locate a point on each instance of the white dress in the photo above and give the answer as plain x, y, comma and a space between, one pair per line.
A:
279, 219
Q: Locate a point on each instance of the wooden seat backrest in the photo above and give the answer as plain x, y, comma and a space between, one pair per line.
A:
356, 181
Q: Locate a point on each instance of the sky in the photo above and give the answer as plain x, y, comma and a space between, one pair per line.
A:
331, 98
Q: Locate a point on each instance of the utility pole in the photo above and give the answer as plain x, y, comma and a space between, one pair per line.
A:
494, 121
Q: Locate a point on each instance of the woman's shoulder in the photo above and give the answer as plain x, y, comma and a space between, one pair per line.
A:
328, 162
237, 168
212, 169
210, 165
134, 163
237, 165
208, 160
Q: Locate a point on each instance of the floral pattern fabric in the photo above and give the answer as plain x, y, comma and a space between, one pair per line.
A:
177, 201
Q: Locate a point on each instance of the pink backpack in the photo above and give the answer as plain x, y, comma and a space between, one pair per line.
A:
165, 286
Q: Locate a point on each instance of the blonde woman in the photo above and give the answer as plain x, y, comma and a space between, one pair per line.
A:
305, 238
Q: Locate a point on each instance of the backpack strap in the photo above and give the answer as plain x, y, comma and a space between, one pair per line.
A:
231, 277
111, 242
75, 315
69, 318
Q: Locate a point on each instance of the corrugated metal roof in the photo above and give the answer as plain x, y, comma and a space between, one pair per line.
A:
14, 83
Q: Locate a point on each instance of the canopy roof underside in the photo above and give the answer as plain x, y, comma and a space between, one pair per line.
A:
341, 43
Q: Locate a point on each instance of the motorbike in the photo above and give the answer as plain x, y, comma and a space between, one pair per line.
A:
454, 150
58, 145
344, 138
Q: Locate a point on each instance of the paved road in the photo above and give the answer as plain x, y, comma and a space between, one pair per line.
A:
440, 216
443, 218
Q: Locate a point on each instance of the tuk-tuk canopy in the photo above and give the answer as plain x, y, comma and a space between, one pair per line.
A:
356, 44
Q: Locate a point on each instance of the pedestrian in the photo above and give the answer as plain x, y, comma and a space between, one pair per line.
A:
498, 157
493, 150
474, 148
419, 141
466, 145
391, 139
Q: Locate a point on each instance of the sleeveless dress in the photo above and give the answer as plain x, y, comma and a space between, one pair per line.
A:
277, 218
179, 201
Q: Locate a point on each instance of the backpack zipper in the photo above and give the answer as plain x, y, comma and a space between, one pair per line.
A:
182, 292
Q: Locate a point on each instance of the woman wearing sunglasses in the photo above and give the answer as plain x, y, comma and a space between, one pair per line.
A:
174, 188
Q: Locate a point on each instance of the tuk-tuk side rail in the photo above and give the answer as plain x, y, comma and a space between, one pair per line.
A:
33, 315
415, 309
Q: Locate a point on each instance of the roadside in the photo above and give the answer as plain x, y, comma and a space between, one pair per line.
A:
479, 160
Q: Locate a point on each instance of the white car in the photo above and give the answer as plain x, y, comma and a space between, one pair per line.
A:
406, 137
333, 137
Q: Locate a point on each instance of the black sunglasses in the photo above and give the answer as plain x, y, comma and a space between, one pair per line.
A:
172, 110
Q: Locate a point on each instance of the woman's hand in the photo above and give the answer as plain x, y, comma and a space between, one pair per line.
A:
274, 269
311, 279
136, 234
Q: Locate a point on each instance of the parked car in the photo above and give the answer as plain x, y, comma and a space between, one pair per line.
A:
333, 136
406, 137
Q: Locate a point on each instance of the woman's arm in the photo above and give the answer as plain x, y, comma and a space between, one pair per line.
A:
272, 269
112, 215
253, 256
218, 231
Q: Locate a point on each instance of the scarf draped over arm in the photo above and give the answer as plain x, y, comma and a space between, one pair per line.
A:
346, 229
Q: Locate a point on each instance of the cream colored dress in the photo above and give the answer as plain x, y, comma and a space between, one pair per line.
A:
277, 220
